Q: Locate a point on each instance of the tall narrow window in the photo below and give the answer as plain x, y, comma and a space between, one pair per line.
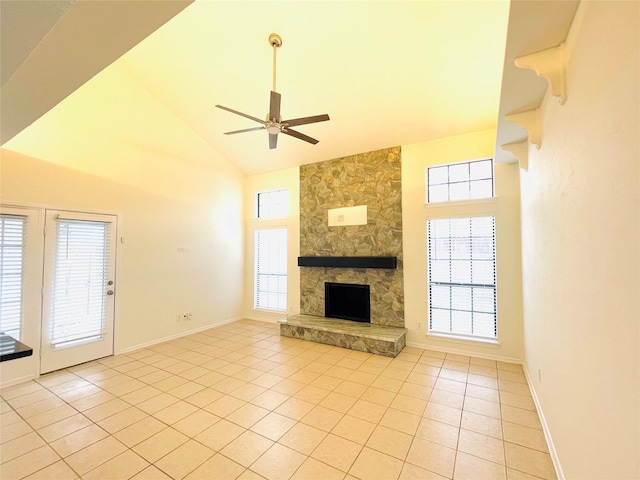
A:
271, 269
462, 276
12, 247
460, 181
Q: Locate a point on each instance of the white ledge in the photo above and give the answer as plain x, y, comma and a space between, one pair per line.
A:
520, 150
461, 203
550, 64
487, 342
530, 121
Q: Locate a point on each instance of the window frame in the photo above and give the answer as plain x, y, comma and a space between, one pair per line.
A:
32, 270
257, 272
284, 213
15, 280
494, 286
270, 222
468, 181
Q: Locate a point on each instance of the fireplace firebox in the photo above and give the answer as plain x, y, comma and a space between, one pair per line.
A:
347, 301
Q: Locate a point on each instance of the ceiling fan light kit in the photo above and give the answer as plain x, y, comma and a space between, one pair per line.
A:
274, 123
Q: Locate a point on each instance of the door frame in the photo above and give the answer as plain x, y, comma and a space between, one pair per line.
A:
28, 368
52, 359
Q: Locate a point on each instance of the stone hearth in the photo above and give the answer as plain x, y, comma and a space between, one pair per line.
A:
364, 337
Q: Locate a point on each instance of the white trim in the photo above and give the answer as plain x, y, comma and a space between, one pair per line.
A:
265, 316
438, 348
462, 203
16, 381
140, 346
545, 427
265, 320
466, 340
50, 206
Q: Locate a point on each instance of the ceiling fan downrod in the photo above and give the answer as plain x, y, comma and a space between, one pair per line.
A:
275, 41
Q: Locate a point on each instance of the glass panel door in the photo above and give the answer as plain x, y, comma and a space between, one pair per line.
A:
79, 289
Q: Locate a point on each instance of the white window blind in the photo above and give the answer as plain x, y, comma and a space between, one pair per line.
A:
271, 269
272, 204
12, 248
80, 277
462, 276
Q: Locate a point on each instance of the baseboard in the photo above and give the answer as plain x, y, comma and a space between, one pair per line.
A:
173, 337
545, 427
15, 381
458, 351
265, 316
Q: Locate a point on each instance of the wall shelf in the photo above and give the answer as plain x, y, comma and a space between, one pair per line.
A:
349, 262
550, 64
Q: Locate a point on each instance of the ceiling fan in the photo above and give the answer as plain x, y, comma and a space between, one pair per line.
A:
274, 123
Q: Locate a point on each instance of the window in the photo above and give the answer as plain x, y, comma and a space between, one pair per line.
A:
81, 271
460, 181
271, 269
462, 276
272, 204
12, 250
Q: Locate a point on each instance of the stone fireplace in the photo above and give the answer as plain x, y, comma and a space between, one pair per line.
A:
364, 254
372, 179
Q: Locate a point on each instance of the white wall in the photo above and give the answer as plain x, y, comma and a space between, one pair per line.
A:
197, 204
415, 212
289, 179
580, 244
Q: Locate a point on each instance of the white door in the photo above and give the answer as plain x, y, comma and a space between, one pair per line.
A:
79, 289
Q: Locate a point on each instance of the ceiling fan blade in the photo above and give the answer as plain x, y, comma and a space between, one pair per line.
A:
273, 140
241, 114
274, 107
244, 130
305, 120
301, 136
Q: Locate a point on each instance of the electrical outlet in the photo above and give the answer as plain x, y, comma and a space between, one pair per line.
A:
188, 315
183, 317
179, 317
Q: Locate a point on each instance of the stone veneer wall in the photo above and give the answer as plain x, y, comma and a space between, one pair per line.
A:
371, 179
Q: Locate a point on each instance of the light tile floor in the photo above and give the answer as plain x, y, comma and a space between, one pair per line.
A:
239, 401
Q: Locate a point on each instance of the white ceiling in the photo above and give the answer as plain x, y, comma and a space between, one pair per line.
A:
387, 73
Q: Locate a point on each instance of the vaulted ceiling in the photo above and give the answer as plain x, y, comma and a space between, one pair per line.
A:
387, 73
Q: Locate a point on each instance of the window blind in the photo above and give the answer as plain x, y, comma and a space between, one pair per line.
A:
80, 276
12, 247
271, 269
462, 276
